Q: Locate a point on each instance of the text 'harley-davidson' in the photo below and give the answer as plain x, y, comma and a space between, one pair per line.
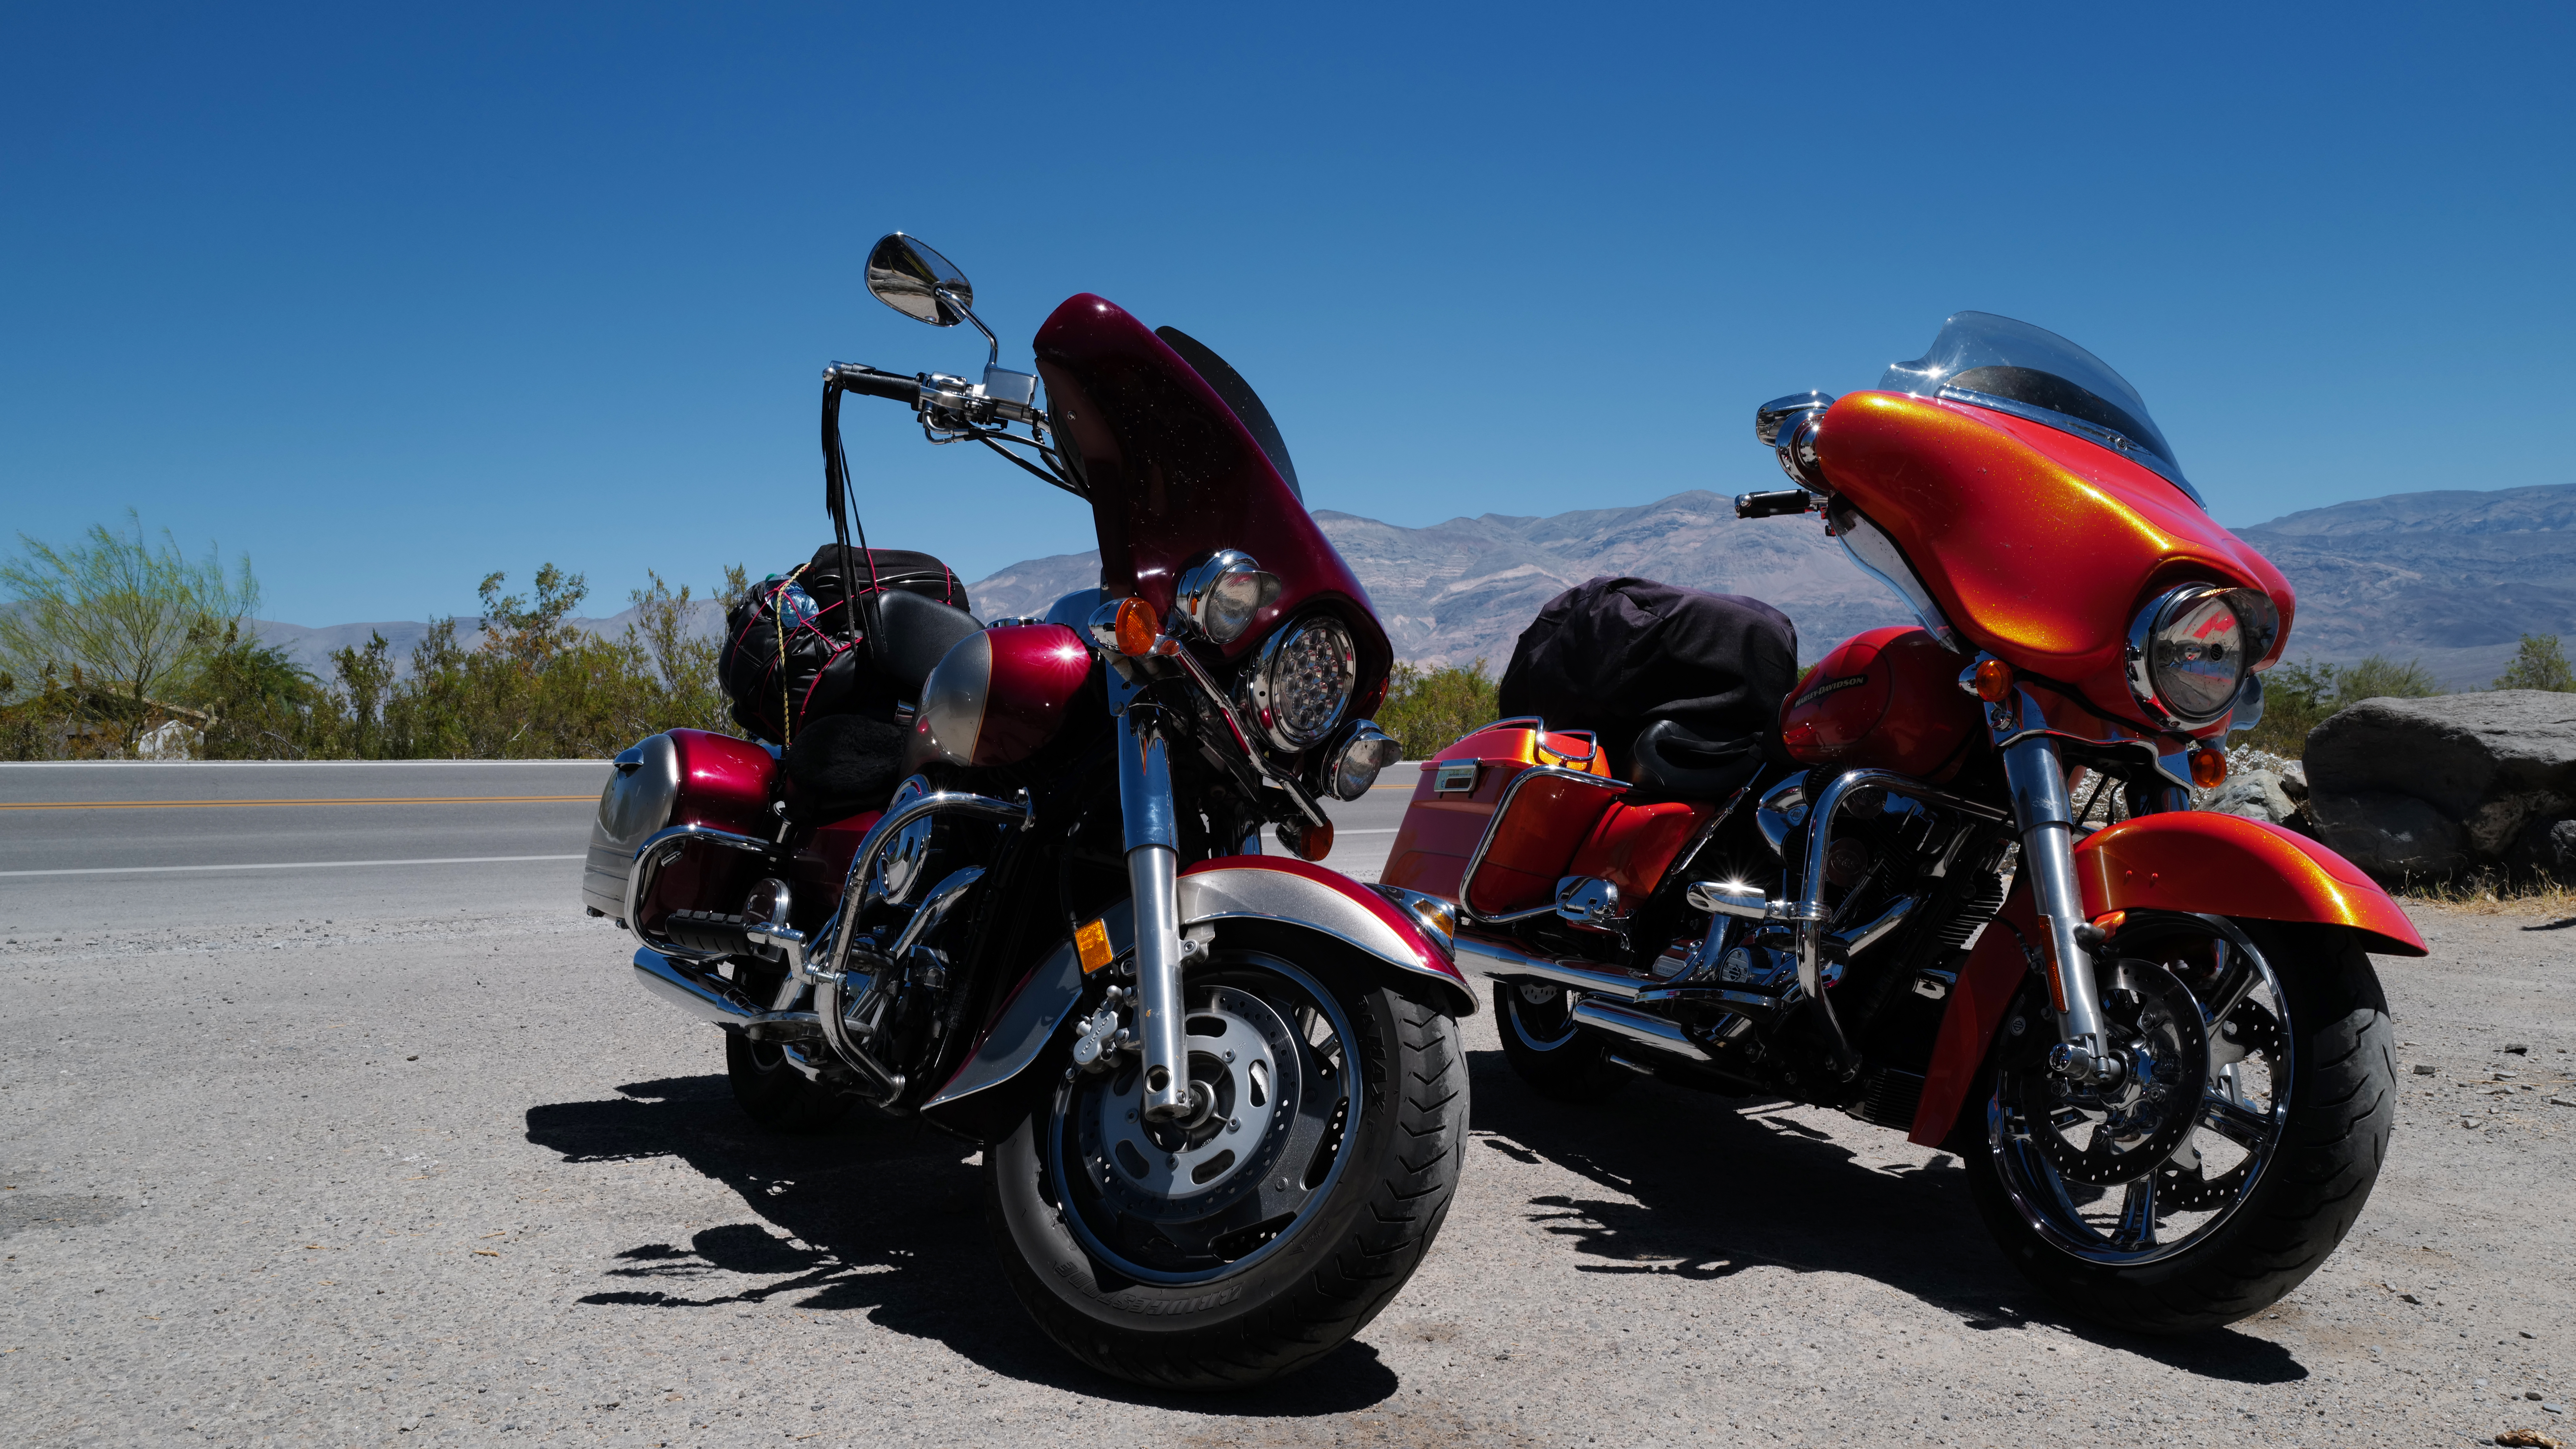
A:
1950, 880
1020, 894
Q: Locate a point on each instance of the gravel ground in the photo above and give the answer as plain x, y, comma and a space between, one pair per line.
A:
455, 1179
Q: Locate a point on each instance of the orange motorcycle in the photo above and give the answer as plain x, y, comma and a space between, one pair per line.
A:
1959, 888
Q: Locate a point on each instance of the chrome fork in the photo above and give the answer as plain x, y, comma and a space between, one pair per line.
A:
2037, 776
1152, 838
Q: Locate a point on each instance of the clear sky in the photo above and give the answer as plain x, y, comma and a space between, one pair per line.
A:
391, 297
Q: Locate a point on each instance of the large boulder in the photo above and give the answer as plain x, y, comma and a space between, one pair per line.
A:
2433, 787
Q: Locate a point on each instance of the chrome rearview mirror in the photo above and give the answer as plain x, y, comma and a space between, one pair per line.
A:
919, 282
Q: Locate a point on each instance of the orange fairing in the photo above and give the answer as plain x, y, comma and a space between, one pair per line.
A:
2039, 546
2226, 865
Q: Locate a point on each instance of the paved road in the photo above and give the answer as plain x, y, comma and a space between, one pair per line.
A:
90, 847
448, 1176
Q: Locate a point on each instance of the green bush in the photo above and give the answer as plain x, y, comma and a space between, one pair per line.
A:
2538, 664
2299, 697
1431, 709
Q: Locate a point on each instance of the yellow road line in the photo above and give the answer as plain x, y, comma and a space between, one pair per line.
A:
346, 800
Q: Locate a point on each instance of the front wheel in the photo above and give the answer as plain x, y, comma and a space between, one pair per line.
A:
2236, 1151
1224, 1252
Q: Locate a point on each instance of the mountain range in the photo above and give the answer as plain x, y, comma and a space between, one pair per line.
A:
2450, 578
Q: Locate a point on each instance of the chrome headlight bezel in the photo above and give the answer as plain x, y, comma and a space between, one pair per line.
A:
1222, 594
1350, 766
1266, 697
2152, 679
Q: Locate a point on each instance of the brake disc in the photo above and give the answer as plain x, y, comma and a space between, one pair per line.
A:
2152, 1023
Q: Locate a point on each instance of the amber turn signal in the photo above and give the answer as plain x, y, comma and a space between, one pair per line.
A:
1312, 843
2208, 767
1136, 631
1994, 680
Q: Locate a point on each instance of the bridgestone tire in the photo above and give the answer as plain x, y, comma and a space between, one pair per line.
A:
777, 1096
1344, 1261
1557, 1060
2343, 1101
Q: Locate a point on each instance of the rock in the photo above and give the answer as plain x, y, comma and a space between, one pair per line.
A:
2425, 1069
2256, 795
2431, 787
2294, 779
2517, 1048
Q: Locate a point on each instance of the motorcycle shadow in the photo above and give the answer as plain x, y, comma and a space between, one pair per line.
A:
1703, 1187
881, 1218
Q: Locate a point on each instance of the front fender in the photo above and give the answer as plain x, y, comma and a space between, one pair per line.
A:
2227, 865
1250, 887
2180, 860
1275, 888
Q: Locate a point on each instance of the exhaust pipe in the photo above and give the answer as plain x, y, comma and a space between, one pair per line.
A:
1637, 1026
703, 999
1506, 962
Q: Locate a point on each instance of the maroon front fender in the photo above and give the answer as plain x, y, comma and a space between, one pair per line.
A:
1296, 893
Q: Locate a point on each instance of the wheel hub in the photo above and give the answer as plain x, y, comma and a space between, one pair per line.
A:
1236, 1043
2105, 1136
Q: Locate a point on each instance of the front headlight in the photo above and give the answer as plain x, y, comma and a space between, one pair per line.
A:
1351, 767
2187, 656
1222, 593
1297, 691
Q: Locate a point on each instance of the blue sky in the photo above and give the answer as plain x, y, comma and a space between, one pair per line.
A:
389, 298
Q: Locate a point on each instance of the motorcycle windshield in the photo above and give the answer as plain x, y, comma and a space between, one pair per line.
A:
1179, 460
2012, 367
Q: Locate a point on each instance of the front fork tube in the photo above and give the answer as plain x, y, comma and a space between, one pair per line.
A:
1152, 828
2047, 821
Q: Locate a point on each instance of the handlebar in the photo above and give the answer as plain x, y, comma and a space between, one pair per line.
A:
1774, 503
868, 382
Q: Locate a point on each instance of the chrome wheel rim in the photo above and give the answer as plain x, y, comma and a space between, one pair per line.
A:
2127, 1178
1541, 1016
1177, 1203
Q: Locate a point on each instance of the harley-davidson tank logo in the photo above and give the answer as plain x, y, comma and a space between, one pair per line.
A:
1830, 686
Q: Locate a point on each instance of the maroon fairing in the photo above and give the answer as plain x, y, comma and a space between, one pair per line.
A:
1173, 475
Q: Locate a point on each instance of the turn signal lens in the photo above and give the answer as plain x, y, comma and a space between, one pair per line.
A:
2208, 767
1994, 680
1312, 843
1136, 631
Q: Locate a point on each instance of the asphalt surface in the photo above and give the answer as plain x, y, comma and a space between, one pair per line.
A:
398, 1154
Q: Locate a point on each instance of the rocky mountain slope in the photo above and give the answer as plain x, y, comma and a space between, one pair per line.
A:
2452, 578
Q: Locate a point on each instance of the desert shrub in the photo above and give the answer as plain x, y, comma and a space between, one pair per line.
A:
2538, 664
1430, 709
2299, 697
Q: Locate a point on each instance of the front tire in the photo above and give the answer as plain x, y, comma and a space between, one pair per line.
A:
1348, 1103
2291, 1127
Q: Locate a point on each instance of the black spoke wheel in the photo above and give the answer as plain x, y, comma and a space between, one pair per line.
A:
1547, 1050
1225, 1249
2235, 1150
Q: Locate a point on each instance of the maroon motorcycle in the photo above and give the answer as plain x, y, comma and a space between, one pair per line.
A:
1018, 890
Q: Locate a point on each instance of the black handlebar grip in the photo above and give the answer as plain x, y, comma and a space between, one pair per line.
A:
868, 382
1773, 504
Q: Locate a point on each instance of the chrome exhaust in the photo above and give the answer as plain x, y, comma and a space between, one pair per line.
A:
1640, 1027
709, 999
1506, 962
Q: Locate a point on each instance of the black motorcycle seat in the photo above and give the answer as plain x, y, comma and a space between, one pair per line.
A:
913, 635
1673, 763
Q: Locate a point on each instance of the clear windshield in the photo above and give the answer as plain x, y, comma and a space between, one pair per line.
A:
1995, 362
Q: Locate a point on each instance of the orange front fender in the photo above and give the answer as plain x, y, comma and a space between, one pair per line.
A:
2227, 865
2181, 860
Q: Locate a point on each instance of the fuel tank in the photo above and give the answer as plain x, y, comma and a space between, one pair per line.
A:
1888, 699
1001, 695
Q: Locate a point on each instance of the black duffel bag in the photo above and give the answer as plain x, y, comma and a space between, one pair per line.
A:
1682, 686
796, 647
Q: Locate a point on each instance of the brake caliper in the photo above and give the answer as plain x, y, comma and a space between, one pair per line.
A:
1104, 1036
